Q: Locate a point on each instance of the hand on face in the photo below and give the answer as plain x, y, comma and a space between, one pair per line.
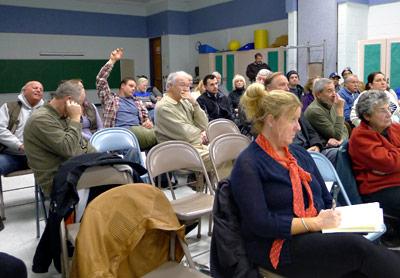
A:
73, 110
339, 102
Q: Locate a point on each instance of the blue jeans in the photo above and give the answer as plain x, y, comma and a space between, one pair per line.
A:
10, 163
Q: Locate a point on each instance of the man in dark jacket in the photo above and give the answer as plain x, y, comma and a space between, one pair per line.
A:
255, 67
294, 86
213, 102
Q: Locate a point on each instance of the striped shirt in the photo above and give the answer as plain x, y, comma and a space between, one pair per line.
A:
110, 101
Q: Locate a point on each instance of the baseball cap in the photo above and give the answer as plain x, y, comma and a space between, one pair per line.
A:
334, 75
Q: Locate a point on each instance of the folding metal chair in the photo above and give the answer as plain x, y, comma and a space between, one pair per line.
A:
226, 148
176, 155
117, 139
220, 126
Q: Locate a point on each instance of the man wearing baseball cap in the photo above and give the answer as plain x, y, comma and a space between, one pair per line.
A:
335, 77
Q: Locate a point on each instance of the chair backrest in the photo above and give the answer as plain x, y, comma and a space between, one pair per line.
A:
328, 173
220, 126
116, 139
174, 155
113, 139
345, 173
226, 147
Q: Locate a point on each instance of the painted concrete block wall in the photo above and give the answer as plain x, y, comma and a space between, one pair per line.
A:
384, 21
317, 21
352, 27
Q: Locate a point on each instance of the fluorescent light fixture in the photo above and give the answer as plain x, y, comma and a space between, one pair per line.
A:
53, 53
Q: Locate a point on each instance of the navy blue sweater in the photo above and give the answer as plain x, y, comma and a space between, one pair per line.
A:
262, 190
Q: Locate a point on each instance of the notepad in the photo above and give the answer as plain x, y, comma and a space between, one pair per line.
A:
362, 218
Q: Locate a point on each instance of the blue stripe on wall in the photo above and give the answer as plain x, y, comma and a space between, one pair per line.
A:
235, 14
48, 21
222, 16
291, 6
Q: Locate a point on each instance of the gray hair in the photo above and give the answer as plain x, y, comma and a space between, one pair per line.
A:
216, 74
319, 85
264, 72
171, 79
238, 77
68, 88
141, 80
367, 102
349, 77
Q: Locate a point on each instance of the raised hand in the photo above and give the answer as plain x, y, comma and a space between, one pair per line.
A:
116, 55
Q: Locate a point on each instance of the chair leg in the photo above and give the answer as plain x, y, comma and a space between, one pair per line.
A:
2, 210
199, 229
37, 211
39, 198
210, 222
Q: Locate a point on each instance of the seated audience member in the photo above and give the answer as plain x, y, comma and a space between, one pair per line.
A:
294, 86
13, 116
346, 72
306, 137
198, 90
377, 81
326, 114
90, 118
179, 116
262, 75
349, 93
374, 148
308, 96
221, 87
212, 101
53, 134
283, 202
335, 77
239, 86
148, 100
124, 109
253, 68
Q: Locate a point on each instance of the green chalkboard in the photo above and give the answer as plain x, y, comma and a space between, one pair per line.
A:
230, 71
15, 73
218, 64
372, 59
273, 60
395, 65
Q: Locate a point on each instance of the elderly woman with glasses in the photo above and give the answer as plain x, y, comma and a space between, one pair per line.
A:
374, 148
283, 202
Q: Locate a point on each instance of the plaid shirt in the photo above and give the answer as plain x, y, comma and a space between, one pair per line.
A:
110, 100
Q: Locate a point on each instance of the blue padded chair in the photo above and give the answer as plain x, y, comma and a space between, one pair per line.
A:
329, 174
117, 139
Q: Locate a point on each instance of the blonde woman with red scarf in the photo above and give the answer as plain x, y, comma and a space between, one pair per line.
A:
284, 204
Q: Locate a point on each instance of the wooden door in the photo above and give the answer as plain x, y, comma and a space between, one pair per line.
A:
155, 63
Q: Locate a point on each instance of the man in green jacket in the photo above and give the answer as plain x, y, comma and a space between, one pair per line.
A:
53, 134
326, 115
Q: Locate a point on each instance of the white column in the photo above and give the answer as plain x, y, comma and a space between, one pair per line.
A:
291, 62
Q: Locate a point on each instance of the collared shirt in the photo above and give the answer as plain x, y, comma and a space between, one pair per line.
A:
128, 114
349, 99
111, 101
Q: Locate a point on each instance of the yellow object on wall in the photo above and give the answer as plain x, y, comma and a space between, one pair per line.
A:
234, 45
260, 39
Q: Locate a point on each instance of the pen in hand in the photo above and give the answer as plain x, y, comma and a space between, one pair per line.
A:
335, 195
